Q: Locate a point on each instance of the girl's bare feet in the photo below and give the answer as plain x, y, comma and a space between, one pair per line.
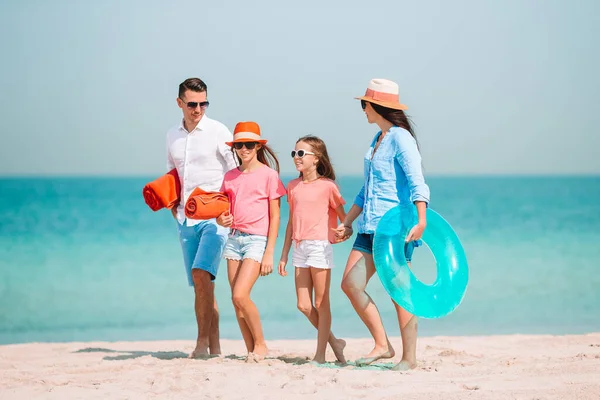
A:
338, 349
376, 354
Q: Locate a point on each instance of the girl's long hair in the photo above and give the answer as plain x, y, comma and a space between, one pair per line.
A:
324, 167
265, 155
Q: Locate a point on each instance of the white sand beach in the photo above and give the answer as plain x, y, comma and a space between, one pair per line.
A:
491, 367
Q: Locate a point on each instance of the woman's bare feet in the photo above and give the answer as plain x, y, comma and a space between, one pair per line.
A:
338, 346
260, 352
404, 365
376, 354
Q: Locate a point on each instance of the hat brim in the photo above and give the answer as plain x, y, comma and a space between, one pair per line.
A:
246, 141
386, 104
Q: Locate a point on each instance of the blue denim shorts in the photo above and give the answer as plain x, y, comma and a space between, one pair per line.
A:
242, 245
202, 246
364, 243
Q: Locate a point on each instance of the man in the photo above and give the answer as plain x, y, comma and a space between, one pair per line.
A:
196, 147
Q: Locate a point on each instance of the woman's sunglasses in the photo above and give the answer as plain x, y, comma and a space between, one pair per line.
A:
192, 105
301, 153
363, 104
248, 145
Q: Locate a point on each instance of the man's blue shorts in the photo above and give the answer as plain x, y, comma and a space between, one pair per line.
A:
202, 245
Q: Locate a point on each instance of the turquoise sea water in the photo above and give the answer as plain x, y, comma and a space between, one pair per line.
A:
85, 259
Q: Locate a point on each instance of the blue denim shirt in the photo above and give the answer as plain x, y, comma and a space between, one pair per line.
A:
393, 177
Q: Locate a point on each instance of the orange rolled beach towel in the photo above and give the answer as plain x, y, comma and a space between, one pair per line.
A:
206, 205
163, 192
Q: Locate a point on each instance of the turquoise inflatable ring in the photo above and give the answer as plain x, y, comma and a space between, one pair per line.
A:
427, 301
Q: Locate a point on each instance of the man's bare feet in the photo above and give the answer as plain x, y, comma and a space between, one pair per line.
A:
201, 350
376, 354
318, 360
404, 365
338, 349
215, 351
199, 355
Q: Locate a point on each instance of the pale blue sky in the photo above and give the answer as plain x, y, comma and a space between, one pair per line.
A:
500, 87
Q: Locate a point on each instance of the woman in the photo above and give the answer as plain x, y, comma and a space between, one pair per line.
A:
393, 176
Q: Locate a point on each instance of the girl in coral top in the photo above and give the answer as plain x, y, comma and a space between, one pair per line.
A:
315, 206
254, 191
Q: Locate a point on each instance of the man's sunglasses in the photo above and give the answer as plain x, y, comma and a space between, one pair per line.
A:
301, 153
193, 104
248, 145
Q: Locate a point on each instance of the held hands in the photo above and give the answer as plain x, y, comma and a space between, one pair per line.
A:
225, 219
266, 266
342, 233
416, 232
282, 264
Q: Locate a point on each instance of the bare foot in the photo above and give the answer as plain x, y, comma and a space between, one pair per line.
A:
199, 354
376, 354
338, 349
201, 351
260, 352
319, 359
250, 358
404, 365
215, 351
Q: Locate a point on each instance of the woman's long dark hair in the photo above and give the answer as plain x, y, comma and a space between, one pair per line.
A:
397, 118
324, 167
265, 155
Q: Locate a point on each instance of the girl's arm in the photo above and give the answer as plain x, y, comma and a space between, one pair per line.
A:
342, 231
287, 244
341, 213
266, 266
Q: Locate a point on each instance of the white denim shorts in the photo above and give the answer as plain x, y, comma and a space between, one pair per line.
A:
241, 245
313, 253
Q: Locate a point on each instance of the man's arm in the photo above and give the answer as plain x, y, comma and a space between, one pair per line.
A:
225, 150
170, 162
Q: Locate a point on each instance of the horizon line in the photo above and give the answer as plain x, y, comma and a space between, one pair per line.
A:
338, 176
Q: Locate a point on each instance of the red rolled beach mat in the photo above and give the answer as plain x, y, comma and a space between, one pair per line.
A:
206, 205
163, 192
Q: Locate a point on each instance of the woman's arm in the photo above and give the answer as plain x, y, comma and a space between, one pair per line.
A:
417, 231
409, 158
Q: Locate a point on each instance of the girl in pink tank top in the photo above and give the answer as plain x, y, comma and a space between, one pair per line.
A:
315, 206
254, 190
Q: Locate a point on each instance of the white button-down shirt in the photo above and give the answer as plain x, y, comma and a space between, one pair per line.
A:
201, 158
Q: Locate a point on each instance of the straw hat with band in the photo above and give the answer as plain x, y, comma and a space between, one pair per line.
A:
384, 93
247, 131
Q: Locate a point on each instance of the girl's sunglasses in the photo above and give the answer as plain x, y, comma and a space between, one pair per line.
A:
248, 145
301, 153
